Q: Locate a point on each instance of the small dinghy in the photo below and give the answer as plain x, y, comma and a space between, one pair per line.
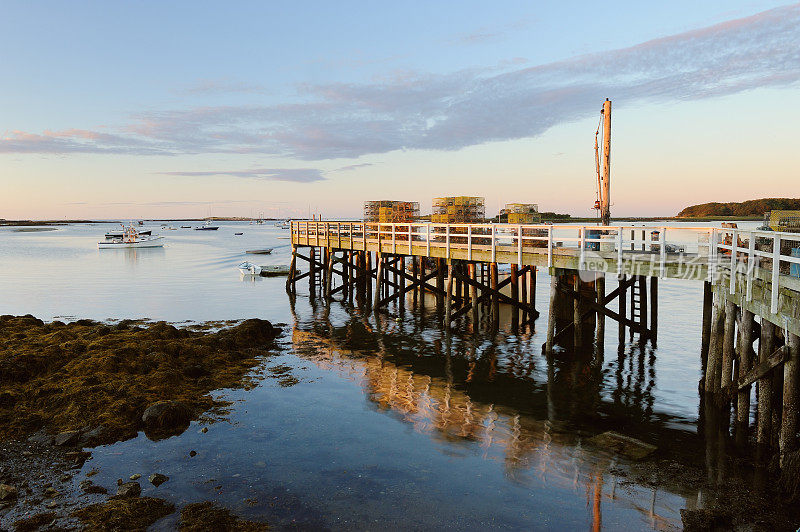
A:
132, 239
237, 234
186, 227
275, 269
266, 251
248, 268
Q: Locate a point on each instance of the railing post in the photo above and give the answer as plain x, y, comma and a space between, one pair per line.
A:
394, 241
494, 245
751, 265
662, 248
776, 271
519, 245
410, 248
339, 235
619, 251
712, 251
447, 240
428, 241
549, 247
734, 247
582, 244
469, 242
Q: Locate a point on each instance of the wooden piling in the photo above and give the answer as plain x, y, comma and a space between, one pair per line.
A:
713, 373
290, 281
532, 291
577, 328
623, 302
415, 274
654, 309
312, 270
600, 325
708, 300
495, 299
440, 269
473, 295
402, 282
514, 296
745, 362
551, 312
379, 259
791, 372
449, 297
329, 274
728, 344
523, 295
766, 346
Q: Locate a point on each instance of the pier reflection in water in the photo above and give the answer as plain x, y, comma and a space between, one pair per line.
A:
500, 397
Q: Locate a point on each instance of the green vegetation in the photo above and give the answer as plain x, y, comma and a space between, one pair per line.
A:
750, 208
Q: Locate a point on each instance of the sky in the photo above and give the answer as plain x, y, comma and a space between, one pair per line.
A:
152, 109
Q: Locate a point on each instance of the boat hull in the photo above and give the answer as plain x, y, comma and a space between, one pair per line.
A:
156, 242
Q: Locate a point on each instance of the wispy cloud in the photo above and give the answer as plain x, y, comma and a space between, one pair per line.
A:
453, 111
296, 175
221, 86
351, 167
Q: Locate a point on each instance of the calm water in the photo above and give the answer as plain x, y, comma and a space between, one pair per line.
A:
392, 424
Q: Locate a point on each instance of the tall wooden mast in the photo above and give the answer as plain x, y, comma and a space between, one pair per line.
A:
605, 190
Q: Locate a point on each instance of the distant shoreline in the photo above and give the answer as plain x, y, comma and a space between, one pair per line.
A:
23, 223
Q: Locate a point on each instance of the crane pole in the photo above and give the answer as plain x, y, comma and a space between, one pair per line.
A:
605, 193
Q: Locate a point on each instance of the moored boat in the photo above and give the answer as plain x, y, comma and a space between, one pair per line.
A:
275, 269
207, 227
132, 239
248, 268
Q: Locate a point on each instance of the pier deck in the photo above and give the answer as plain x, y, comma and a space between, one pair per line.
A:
745, 274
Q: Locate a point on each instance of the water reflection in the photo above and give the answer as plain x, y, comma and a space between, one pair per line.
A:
528, 412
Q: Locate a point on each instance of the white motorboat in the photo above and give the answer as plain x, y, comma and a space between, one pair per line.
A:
248, 268
132, 239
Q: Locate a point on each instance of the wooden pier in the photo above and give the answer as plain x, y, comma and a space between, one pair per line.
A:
751, 303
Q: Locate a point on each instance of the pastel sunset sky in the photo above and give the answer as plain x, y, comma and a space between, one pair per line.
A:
188, 109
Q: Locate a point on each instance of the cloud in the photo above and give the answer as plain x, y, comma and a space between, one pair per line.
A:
296, 175
351, 167
221, 86
417, 111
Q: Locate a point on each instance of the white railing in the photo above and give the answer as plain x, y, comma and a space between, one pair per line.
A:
748, 252
708, 247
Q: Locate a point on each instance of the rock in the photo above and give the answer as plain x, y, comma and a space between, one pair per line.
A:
129, 489
96, 436
68, 438
156, 479
7, 492
204, 430
135, 476
51, 505
622, 445
253, 332
65, 478
163, 419
90, 487
41, 437
192, 453
50, 492
704, 520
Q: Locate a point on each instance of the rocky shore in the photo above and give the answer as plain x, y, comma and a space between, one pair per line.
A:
67, 387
